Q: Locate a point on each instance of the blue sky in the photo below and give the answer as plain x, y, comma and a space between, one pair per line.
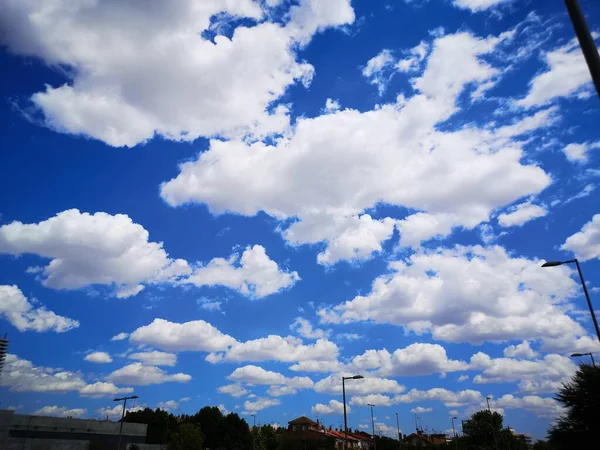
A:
235, 204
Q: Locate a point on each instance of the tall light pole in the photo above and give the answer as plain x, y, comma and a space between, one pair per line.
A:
587, 295
373, 423
487, 399
586, 41
578, 355
355, 377
124, 400
454, 432
399, 435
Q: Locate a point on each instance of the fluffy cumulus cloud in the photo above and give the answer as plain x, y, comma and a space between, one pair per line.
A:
26, 315
98, 357
479, 5
541, 406
579, 153
567, 75
21, 375
305, 329
522, 350
521, 214
86, 249
60, 411
142, 375
114, 412
155, 358
259, 404
193, 85
235, 390
311, 174
100, 248
333, 407
253, 274
277, 348
585, 243
416, 359
449, 398
368, 385
196, 335
119, 337
542, 375
420, 410
467, 294
279, 384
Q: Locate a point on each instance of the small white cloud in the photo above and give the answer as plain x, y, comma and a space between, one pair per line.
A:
522, 350
579, 153
420, 410
585, 243
99, 358
141, 375
521, 214
60, 411
155, 358
120, 337
333, 407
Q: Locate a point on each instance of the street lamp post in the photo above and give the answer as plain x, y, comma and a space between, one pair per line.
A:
587, 295
373, 423
454, 432
578, 355
586, 41
124, 400
355, 377
487, 399
399, 435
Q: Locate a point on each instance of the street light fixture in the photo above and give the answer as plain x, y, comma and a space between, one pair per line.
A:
587, 295
373, 423
578, 355
454, 432
124, 400
355, 377
399, 435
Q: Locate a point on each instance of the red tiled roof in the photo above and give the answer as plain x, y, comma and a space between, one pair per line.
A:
303, 421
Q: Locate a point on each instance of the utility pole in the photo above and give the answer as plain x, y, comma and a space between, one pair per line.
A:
399, 435
373, 423
586, 41
124, 399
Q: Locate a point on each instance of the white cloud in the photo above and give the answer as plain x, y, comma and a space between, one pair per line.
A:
373, 399
416, 359
141, 375
539, 375
120, 337
281, 384
462, 378
115, 412
448, 398
585, 243
277, 348
60, 411
235, 390
567, 75
254, 274
420, 410
208, 304
522, 350
102, 389
415, 57
333, 407
25, 316
155, 358
467, 294
311, 174
332, 106
88, 249
196, 335
169, 405
185, 399
521, 214
542, 407
305, 329
578, 153
20, 375
260, 404
478, 5
376, 68
368, 385
98, 358
191, 86
317, 366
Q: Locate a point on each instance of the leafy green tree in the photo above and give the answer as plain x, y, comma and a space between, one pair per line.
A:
542, 445
212, 423
485, 431
160, 424
187, 437
581, 399
238, 435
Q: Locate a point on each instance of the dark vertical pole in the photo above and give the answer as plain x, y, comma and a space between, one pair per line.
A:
593, 362
122, 420
373, 422
455, 436
345, 419
586, 41
587, 295
399, 435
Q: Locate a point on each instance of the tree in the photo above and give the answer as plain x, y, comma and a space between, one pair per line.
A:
484, 431
187, 437
212, 423
160, 424
581, 399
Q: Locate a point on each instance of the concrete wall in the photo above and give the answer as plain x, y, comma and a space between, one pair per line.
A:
45, 444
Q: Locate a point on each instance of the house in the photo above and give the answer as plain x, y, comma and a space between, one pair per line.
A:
303, 424
305, 428
419, 439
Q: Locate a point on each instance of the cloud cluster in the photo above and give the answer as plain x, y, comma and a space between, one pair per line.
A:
25, 315
87, 249
198, 80
585, 243
142, 375
467, 294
